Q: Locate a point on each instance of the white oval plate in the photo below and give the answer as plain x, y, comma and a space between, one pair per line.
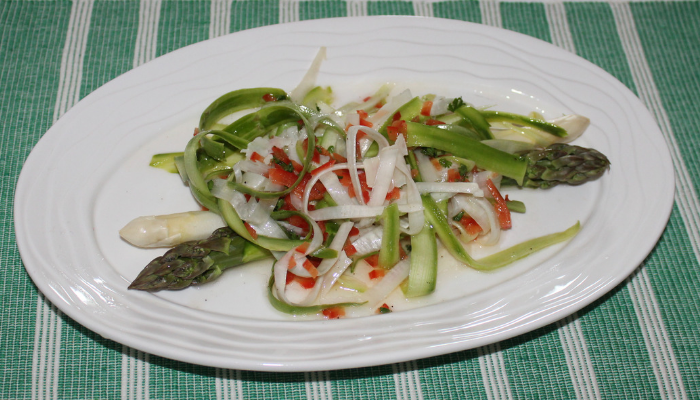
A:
89, 175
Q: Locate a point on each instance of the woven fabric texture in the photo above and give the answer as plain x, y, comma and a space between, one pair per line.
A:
640, 341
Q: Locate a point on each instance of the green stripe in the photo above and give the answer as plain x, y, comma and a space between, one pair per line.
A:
465, 10
253, 13
182, 22
675, 276
267, 385
452, 376
673, 57
389, 8
373, 383
109, 52
537, 366
31, 44
111, 42
187, 380
322, 9
617, 349
596, 39
612, 329
526, 18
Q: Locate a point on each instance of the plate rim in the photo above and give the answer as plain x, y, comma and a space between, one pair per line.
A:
55, 298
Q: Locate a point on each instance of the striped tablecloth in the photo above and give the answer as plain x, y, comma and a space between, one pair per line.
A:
641, 341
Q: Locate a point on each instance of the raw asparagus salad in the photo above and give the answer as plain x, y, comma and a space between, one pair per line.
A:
357, 198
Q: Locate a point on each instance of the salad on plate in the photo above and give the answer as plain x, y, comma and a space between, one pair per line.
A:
353, 202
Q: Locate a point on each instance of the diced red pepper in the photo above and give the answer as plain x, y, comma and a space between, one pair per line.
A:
269, 97
302, 247
344, 177
306, 283
414, 173
398, 127
323, 167
470, 225
501, 207
316, 192
337, 157
349, 249
363, 118
301, 223
432, 122
373, 260
280, 154
251, 231
453, 175
281, 177
436, 163
288, 206
316, 157
297, 167
363, 186
310, 268
376, 273
396, 117
354, 232
427, 106
394, 194
257, 157
334, 312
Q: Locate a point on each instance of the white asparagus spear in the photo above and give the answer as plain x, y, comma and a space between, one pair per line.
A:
172, 229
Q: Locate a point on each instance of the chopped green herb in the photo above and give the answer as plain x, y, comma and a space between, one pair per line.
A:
432, 152
459, 216
445, 163
463, 171
384, 310
282, 164
456, 103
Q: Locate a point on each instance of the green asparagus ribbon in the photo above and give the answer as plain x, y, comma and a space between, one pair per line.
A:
443, 230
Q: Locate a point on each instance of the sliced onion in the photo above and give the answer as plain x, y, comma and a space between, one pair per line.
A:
336, 244
375, 296
355, 212
427, 170
331, 277
370, 240
450, 187
390, 108
309, 80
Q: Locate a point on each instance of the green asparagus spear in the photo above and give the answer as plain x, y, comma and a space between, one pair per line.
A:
561, 163
197, 262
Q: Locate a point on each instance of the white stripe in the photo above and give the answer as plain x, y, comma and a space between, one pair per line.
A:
665, 366
407, 381
493, 372
147, 34
423, 8
72, 60
577, 358
135, 379
318, 385
571, 336
356, 8
228, 384
219, 18
491, 13
48, 328
559, 26
289, 11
